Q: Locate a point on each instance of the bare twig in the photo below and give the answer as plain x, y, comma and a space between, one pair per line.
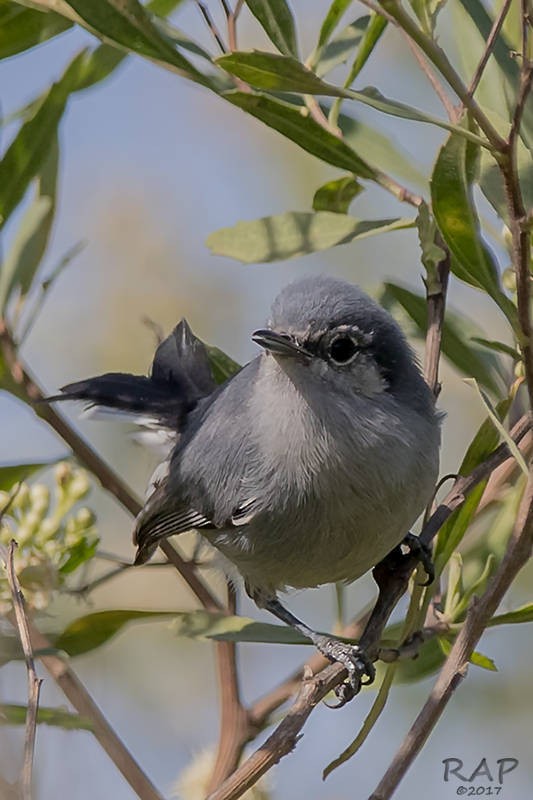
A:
397, 14
436, 306
489, 47
436, 85
313, 689
455, 667
518, 217
77, 694
204, 11
235, 730
34, 683
232, 24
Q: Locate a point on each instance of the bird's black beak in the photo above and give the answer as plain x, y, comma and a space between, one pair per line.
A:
279, 344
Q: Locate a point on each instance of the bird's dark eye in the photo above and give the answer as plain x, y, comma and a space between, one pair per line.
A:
342, 349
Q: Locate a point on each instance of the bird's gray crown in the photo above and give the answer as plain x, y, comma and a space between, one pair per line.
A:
311, 307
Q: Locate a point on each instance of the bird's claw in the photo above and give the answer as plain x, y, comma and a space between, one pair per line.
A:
361, 670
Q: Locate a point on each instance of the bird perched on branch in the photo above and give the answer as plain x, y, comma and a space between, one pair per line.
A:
307, 466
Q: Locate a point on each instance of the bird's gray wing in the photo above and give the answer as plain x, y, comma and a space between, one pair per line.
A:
164, 515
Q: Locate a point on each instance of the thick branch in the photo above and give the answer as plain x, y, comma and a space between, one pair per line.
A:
456, 665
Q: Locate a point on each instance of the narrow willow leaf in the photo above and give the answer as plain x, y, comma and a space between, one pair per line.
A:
493, 414
497, 347
274, 72
31, 240
294, 234
335, 12
515, 617
294, 122
476, 658
380, 151
222, 365
31, 146
336, 195
277, 21
339, 49
454, 210
432, 253
12, 714
452, 532
92, 631
22, 28
205, 625
485, 441
471, 361
374, 30
127, 24
10, 474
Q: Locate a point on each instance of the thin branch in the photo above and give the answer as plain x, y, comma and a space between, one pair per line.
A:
436, 307
204, 11
34, 683
436, 85
235, 730
313, 689
489, 47
395, 13
456, 665
518, 218
79, 697
232, 24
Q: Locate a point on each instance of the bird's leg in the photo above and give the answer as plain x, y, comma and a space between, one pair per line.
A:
352, 657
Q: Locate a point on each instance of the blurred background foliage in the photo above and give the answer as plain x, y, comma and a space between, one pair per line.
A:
123, 155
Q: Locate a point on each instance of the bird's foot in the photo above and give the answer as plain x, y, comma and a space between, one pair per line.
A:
361, 670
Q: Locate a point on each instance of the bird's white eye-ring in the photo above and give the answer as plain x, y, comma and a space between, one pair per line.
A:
342, 349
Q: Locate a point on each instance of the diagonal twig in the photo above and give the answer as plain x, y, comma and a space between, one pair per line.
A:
34, 683
489, 47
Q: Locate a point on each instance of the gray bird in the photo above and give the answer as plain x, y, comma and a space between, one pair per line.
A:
306, 467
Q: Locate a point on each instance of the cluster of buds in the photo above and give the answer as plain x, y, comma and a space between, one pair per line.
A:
54, 538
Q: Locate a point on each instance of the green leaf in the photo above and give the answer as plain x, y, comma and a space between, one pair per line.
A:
222, 365
294, 122
294, 234
430, 659
10, 474
469, 360
31, 241
494, 416
455, 212
485, 441
380, 152
127, 24
22, 28
374, 30
432, 253
211, 625
78, 555
452, 532
12, 714
427, 11
476, 658
515, 617
497, 347
92, 631
335, 12
277, 21
336, 195
338, 50
273, 72
32, 144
